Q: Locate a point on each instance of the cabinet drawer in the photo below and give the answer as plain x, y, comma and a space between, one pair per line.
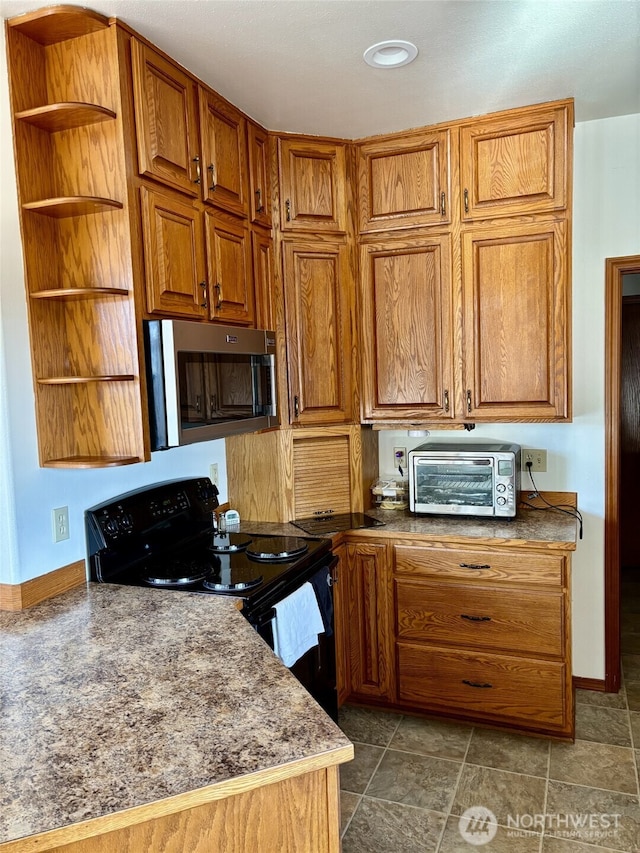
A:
498, 687
466, 614
485, 564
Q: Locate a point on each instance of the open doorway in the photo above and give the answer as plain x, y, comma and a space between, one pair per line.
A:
622, 434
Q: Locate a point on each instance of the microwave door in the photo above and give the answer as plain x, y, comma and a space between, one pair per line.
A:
460, 486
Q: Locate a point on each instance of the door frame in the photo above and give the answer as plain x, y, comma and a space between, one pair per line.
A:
615, 269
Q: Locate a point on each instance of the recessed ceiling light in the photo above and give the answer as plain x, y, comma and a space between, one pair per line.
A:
390, 54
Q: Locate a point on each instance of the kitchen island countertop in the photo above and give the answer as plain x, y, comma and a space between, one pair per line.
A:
115, 697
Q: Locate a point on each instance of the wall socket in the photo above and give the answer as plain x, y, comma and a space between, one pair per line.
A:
400, 459
538, 459
213, 474
60, 523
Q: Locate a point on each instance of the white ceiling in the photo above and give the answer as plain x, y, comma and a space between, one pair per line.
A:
296, 65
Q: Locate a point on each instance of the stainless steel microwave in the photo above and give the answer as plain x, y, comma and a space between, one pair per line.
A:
465, 478
207, 381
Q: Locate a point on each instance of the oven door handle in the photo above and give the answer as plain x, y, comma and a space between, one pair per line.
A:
332, 578
264, 618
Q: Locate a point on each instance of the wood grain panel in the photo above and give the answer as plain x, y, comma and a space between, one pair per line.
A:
229, 269
58, 23
516, 309
224, 153
406, 359
26, 594
259, 175
260, 475
56, 117
263, 278
84, 70
27, 77
497, 687
485, 564
331, 490
312, 185
481, 617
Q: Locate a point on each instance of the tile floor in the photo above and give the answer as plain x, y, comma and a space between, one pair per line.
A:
412, 779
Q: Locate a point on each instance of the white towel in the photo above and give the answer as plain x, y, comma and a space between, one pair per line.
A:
297, 625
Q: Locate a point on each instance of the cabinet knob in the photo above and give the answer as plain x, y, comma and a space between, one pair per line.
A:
260, 205
211, 168
196, 160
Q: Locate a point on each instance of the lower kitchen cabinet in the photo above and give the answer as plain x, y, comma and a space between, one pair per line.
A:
475, 633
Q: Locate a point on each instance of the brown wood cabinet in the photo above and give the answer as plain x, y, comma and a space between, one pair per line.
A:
318, 296
229, 269
516, 321
516, 163
404, 180
407, 357
67, 110
366, 579
166, 111
484, 634
313, 178
263, 276
223, 163
259, 175
341, 625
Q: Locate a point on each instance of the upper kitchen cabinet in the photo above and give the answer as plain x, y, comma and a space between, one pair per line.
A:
224, 153
229, 269
318, 292
313, 179
406, 350
259, 175
517, 163
166, 115
516, 309
403, 180
76, 220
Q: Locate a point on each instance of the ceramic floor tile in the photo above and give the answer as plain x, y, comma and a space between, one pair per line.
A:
604, 700
505, 751
348, 803
368, 725
630, 644
355, 775
507, 795
603, 725
503, 840
416, 780
382, 827
432, 737
631, 667
634, 719
596, 765
590, 815
633, 694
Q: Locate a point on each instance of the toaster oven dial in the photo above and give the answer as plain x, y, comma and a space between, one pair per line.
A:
500, 487
501, 501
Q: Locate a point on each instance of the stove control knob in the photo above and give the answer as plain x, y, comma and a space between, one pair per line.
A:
126, 523
110, 527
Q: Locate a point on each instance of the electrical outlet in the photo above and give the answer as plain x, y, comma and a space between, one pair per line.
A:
400, 458
538, 459
213, 474
60, 522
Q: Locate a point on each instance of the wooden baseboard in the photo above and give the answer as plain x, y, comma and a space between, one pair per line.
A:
19, 596
588, 683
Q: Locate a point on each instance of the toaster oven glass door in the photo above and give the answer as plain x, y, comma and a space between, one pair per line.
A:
454, 485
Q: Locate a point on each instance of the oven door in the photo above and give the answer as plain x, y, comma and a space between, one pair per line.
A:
447, 485
315, 670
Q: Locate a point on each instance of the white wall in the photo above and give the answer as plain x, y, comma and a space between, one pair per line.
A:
606, 223
28, 493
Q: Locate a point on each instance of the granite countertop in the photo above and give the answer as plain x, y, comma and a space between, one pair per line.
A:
532, 527
114, 697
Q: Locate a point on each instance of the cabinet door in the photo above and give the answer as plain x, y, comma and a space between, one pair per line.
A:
259, 175
341, 626
516, 165
229, 269
516, 350
165, 104
318, 297
262, 248
312, 185
370, 658
224, 153
404, 181
173, 254
407, 329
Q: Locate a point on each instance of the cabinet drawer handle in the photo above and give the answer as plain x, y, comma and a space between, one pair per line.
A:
260, 207
443, 205
205, 301
469, 401
475, 618
212, 169
466, 201
476, 683
196, 160
446, 399
218, 289
474, 565
287, 207
296, 406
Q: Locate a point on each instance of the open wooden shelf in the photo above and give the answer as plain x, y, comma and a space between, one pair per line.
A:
79, 380
64, 116
91, 462
76, 205
59, 23
79, 292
